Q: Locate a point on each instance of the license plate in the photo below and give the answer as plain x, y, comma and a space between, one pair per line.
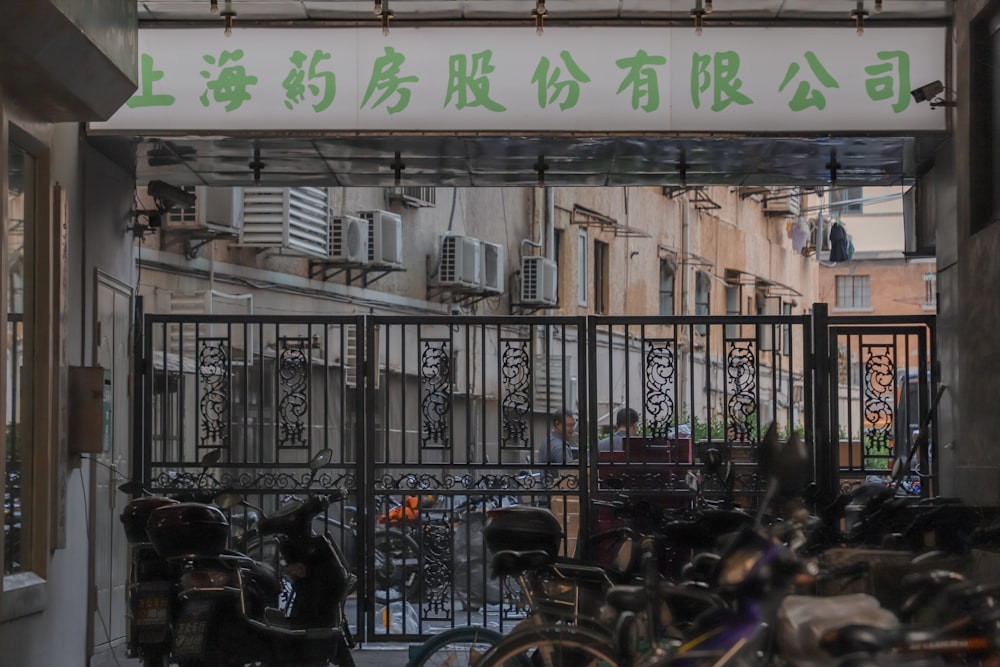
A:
192, 628
153, 609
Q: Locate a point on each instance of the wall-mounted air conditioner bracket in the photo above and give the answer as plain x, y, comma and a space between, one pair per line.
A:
529, 308
462, 297
352, 272
196, 239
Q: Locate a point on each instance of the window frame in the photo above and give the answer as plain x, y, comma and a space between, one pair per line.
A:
839, 304
43, 382
668, 285
581, 268
602, 274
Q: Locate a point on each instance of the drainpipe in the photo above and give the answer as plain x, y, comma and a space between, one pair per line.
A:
550, 223
685, 268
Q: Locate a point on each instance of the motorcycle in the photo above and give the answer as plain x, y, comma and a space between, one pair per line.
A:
233, 610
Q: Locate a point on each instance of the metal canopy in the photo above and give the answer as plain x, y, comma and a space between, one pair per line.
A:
476, 159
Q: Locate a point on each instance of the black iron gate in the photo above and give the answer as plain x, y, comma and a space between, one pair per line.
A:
433, 421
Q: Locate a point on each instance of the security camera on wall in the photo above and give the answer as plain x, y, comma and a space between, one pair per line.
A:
169, 196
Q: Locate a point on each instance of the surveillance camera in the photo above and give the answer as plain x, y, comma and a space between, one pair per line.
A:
170, 195
928, 91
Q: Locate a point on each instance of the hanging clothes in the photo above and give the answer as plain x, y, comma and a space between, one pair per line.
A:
838, 243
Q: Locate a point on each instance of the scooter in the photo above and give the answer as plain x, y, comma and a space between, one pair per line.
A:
233, 610
149, 586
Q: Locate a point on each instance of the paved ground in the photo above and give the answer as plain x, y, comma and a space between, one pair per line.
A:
371, 655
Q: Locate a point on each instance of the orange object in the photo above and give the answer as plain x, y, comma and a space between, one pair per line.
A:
408, 511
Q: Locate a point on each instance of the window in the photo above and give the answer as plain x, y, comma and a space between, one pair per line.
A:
853, 292
668, 269
702, 293
601, 275
581, 268
20, 215
930, 290
786, 310
33, 399
732, 309
846, 201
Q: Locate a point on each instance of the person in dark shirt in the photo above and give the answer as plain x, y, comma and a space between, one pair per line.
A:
626, 424
557, 448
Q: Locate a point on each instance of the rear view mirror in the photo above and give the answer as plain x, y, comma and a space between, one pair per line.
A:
321, 459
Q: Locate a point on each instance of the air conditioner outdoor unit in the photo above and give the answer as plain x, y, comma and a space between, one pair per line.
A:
385, 238
349, 361
459, 262
783, 201
294, 218
539, 281
183, 337
349, 239
213, 211
492, 267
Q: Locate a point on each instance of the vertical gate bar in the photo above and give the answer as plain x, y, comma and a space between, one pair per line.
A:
308, 389
690, 379
590, 391
228, 425
822, 362
275, 413
261, 388
808, 364
365, 372
835, 424
922, 455
584, 488
930, 332
481, 335
143, 465
165, 394
244, 390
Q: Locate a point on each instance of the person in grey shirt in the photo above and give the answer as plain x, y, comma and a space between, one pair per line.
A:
557, 448
626, 424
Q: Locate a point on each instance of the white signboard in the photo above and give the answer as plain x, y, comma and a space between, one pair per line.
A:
582, 79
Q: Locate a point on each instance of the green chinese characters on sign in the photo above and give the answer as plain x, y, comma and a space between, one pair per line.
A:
552, 85
148, 76
231, 85
720, 74
640, 76
386, 78
322, 85
805, 95
469, 83
881, 85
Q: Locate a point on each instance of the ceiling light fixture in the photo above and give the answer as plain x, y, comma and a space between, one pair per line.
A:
698, 14
378, 7
228, 14
256, 166
214, 6
858, 14
878, 6
540, 12
708, 6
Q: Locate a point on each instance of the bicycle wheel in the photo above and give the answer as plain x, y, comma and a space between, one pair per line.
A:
552, 646
456, 647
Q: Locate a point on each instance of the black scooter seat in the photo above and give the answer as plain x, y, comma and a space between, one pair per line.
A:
509, 563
